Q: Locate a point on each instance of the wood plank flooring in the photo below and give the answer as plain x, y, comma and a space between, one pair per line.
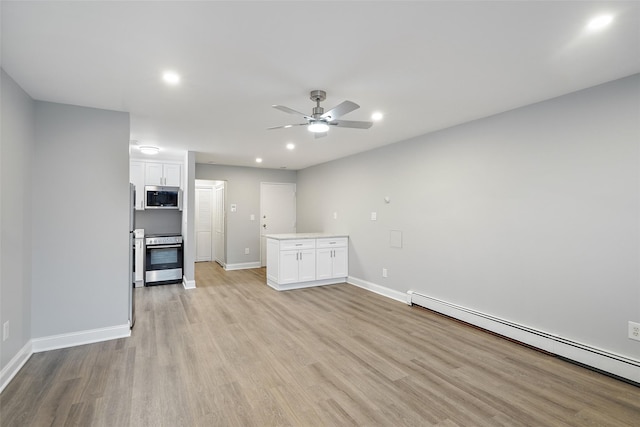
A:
234, 352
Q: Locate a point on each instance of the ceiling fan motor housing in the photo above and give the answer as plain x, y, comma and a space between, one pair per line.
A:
318, 95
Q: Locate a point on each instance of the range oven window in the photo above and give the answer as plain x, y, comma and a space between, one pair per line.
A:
164, 257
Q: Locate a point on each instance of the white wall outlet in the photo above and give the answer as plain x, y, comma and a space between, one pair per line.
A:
634, 331
246, 251
374, 216
335, 215
384, 272
234, 207
5, 331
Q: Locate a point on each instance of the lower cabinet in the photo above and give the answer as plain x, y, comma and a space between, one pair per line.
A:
297, 266
332, 258
300, 263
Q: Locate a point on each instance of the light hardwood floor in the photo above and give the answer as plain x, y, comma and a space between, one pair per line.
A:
234, 352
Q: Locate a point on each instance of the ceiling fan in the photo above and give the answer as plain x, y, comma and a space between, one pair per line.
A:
320, 122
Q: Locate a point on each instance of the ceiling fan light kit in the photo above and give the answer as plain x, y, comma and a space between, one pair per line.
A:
318, 127
319, 122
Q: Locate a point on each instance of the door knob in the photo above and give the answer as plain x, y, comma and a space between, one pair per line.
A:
264, 225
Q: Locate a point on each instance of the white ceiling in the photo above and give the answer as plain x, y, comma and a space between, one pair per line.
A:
425, 65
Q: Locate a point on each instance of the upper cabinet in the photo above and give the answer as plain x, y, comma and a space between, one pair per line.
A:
143, 173
167, 174
136, 177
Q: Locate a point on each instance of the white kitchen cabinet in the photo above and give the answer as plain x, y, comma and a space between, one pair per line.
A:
139, 262
332, 258
299, 263
297, 266
136, 177
166, 174
296, 261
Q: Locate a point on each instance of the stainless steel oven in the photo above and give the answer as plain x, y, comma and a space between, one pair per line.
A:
164, 259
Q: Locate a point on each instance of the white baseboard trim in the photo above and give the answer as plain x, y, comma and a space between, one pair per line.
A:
302, 285
242, 266
380, 290
73, 339
602, 360
188, 284
14, 365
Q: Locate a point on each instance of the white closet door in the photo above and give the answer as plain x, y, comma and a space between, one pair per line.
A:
204, 224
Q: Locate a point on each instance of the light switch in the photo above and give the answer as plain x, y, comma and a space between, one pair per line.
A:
252, 217
374, 216
335, 215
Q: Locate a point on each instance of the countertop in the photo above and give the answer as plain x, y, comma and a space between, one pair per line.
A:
292, 236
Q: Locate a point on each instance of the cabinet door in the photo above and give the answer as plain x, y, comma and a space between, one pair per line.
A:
307, 265
324, 263
288, 267
340, 262
153, 174
136, 177
139, 261
172, 175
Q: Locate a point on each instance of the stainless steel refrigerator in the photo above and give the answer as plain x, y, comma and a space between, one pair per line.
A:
132, 277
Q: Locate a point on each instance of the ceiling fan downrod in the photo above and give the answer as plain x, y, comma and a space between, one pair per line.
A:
317, 96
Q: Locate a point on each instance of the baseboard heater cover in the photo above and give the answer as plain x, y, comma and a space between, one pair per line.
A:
601, 360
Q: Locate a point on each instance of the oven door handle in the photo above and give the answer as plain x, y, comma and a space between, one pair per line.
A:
163, 246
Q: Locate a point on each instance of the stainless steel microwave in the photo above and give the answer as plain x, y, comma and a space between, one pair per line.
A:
156, 197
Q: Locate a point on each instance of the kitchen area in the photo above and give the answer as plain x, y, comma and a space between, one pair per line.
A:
157, 206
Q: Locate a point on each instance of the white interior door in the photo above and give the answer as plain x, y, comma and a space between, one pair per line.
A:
277, 212
219, 224
204, 223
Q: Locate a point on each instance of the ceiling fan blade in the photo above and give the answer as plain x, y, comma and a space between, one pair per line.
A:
317, 135
288, 126
340, 110
351, 124
288, 110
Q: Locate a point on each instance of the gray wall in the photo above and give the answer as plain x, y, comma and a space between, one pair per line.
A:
80, 219
159, 221
243, 189
17, 142
530, 215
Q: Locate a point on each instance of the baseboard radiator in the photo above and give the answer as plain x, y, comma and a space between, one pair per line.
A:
610, 363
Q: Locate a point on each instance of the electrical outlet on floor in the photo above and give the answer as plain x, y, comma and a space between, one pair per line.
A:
5, 331
634, 331
246, 251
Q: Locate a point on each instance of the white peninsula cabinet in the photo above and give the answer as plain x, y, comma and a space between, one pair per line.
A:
303, 260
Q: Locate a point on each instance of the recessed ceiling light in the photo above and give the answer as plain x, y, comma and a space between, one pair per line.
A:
291, 146
599, 22
377, 116
171, 77
258, 160
149, 149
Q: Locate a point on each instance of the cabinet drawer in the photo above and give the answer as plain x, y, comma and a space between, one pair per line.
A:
286, 245
336, 242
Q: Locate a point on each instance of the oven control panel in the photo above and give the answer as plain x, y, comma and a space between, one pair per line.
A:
163, 240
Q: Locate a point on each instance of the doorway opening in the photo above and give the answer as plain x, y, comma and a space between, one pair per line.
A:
210, 221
